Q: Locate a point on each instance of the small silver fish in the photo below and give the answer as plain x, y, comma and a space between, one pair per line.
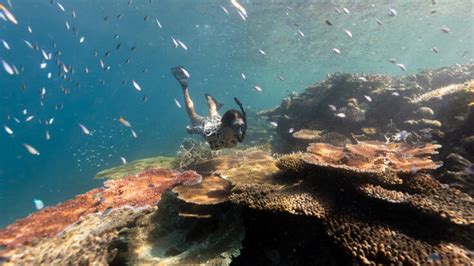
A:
362, 79
378, 22
81, 40
8, 14
158, 23
402, 66
124, 122
242, 75
124, 161
224, 9
346, 10
368, 98
134, 134
445, 29
8, 130
43, 65
45, 55
47, 136
61, 6
275, 124
258, 88
29, 44
175, 43
435, 50
31, 149
301, 33
291, 130
348, 33
332, 107
392, 12
6, 45
7, 68
136, 86
177, 103
29, 118
84, 129
262, 52
341, 115
30, 30
182, 45
336, 51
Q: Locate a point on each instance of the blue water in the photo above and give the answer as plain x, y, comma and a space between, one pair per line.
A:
221, 47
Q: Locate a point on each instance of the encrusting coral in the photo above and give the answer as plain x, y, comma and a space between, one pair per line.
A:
131, 196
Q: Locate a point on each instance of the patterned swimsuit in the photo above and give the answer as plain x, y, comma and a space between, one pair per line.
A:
211, 129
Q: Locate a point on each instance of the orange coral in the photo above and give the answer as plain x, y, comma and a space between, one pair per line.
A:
142, 190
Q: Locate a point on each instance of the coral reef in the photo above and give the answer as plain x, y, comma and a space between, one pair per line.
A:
353, 210
252, 165
430, 106
191, 152
180, 233
308, 135
373, 157
135, 167
212, 190
90, 240
137, 192
291, 163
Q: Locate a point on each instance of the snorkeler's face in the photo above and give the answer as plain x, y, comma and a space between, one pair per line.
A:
239, 127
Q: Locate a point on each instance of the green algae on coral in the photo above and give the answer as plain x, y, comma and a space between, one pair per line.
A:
134, 167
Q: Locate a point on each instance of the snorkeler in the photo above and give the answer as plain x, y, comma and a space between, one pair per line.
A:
219, 132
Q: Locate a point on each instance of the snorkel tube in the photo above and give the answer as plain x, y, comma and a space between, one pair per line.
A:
244, 127
241, 109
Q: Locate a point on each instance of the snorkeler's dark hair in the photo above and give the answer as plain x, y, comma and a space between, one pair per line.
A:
230, 116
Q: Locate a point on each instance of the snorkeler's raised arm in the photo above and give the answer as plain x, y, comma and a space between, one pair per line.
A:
181, 75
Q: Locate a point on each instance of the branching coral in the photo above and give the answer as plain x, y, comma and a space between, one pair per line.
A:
192, 152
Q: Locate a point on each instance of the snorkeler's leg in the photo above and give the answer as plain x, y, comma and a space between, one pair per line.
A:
213, 105
195, 118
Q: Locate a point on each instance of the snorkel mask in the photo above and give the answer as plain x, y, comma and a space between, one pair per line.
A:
240, 127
